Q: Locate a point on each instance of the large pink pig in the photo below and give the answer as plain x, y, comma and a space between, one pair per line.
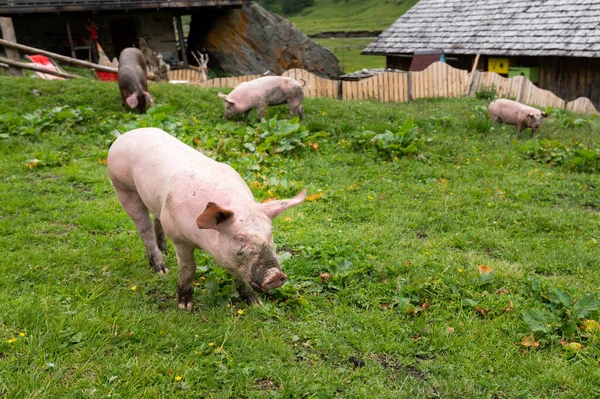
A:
198, 203
261, 92
515, 113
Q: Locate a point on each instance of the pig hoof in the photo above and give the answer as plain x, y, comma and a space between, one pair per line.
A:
160, 268
186, 306
185, 298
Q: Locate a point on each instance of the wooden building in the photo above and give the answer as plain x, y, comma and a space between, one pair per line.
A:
70, 27
555, 43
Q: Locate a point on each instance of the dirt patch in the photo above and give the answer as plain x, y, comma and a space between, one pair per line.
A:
390, 362
266, 384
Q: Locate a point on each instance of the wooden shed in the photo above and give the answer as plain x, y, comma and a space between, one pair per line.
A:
70, 27
555, 43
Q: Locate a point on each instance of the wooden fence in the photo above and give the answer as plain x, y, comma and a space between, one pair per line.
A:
438, 80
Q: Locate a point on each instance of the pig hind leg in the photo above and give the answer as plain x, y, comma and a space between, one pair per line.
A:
187, 268
137, 211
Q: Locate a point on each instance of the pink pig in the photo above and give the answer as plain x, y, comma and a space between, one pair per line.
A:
261, 92
515, 113
198, 203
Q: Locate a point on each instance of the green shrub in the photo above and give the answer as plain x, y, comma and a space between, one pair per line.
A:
406, 141
575, 156
486, 93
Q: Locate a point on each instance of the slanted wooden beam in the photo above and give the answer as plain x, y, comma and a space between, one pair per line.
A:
8, 33
37, 68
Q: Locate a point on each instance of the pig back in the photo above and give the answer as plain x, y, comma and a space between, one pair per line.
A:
132, 56
156, 165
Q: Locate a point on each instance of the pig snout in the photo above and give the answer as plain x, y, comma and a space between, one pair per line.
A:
274, 278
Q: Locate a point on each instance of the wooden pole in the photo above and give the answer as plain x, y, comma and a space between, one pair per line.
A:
184, 57
57, 57
70, 39
37, 68
472, 76
8, 33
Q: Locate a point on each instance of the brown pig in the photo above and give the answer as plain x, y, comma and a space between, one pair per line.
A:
133, 80
261, 92
198, 203
515, 113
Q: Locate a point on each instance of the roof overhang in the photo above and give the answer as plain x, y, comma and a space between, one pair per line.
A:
18, 7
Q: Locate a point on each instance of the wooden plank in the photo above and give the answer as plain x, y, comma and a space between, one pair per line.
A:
394, 87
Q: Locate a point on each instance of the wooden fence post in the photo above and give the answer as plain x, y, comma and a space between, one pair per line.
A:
409, 84
8, 33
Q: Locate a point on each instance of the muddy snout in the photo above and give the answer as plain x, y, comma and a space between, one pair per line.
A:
274, 278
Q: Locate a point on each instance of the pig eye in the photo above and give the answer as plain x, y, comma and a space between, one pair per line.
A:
240, 239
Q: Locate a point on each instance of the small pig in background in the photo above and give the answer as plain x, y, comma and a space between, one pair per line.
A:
133, 80
515, 113
262, 92
198, 203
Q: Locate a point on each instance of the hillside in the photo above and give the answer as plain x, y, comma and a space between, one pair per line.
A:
350, 15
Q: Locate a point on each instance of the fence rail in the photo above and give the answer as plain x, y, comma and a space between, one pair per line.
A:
438, 80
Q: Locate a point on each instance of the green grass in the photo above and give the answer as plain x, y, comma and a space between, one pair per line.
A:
405, 314
350, 15
347, 51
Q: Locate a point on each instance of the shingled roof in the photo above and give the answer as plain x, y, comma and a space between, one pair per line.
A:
496, 27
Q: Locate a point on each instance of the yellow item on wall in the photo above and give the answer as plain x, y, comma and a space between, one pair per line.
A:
498, 65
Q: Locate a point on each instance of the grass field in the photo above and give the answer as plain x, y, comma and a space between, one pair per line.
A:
438, 255
350, 15
347, 51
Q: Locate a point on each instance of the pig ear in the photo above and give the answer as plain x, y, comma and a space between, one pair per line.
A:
530, 115
544, 115
213, 216
273, 208
149, 98
132, 100
224, 97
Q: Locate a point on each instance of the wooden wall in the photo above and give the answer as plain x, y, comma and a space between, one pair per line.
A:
571, 78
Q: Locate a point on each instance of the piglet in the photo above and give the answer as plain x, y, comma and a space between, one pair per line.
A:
198, 203
515, 113
133, 80
261, 92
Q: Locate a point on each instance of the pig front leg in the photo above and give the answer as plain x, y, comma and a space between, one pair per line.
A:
296, 109
137, 211
187, 269
247, 293
261, 111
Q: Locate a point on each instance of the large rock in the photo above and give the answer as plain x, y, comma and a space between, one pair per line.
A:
251, 40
